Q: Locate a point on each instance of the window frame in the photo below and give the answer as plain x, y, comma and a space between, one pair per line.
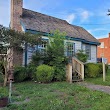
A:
70, 51
42, 47
88, 51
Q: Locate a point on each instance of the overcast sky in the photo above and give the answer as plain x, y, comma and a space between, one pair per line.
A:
89, 14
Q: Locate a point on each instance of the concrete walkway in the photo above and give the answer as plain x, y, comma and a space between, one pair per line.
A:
105, 89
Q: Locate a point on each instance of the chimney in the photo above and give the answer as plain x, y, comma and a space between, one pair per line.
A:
109, 35
16, 12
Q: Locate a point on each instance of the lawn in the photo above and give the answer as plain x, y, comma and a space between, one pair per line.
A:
56, 96
99, 80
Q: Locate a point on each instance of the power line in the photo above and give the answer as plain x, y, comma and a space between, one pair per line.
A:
95, 24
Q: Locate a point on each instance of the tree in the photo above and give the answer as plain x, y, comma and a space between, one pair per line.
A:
54, 55
13, 39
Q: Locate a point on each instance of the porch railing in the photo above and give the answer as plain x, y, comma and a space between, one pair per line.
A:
78, 67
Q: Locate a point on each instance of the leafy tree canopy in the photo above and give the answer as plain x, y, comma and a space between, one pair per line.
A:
12, 38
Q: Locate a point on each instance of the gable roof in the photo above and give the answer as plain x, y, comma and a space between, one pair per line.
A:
44, 23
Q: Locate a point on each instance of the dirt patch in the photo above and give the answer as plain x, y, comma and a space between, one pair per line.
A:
22, 102
58, 92
105, 89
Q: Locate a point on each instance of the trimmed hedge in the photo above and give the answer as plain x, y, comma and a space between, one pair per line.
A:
44, 73
94, 70
24, 73
20, 74
31, 69
101, 67
2, 71
59, 74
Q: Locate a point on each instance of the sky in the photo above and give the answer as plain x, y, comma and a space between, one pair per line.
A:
89, 14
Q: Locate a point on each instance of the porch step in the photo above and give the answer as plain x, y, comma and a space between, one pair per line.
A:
76, 77
77, 80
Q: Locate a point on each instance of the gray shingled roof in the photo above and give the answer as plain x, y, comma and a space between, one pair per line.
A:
44, 23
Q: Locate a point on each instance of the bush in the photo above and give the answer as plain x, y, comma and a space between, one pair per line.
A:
1, 78
20, 74
59, 74
24, 73
92, 70
3, 92
106, 67
30, 70
44, 73
54, 55
2, 69
81, 56
101, 67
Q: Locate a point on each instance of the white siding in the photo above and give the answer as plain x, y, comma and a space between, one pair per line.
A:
77, 46
93, 53
30, 52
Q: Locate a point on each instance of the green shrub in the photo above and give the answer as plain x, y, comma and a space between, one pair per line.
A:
59, 74
30, 70
106, 67
1, 78
44, 73
81, 56
101, 67
20, 74
3, 92
24, 73
92, 70
54, 55
2, 69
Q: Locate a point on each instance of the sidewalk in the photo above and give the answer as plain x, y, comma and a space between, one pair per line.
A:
101, 88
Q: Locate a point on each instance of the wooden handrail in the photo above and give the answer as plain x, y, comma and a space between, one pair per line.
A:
78, 67
77, 60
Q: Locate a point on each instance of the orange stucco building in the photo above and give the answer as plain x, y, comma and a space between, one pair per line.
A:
104, 49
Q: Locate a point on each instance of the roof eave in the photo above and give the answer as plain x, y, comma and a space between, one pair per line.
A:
67, 37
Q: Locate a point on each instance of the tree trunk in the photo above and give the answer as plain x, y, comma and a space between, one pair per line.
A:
6, 74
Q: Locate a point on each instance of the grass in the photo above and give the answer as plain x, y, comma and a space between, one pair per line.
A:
99, 80
56, 96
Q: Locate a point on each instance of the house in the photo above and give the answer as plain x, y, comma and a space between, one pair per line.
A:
25, 20
104, 49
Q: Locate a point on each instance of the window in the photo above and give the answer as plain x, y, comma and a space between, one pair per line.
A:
102, 45
88, 51
70, 49
42, 46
